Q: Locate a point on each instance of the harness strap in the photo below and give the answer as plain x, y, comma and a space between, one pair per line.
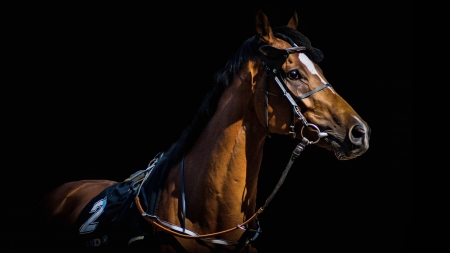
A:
290, 99
183, 197
292, 126
298, 149
266, 101
309, 93
293, 102
185, 233
171, 229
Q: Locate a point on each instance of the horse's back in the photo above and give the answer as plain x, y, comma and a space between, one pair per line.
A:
60, 208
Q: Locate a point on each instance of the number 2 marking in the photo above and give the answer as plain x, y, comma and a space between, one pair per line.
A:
90, 224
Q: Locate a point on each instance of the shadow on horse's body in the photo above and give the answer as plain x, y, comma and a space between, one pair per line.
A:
193, 196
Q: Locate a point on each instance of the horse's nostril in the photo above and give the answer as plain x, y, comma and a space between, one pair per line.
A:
360, 133
357, 131
357, 134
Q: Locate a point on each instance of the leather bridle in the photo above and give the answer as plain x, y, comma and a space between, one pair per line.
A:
273, 60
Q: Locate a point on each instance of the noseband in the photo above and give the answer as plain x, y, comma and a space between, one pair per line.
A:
274, 58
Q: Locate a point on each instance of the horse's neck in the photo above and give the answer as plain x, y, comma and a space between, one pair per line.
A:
221, 170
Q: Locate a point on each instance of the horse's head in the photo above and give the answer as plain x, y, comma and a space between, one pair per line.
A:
300, 101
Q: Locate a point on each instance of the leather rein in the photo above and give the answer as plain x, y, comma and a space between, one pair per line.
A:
272, 69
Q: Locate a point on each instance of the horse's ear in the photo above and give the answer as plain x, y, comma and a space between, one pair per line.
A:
293, 22
263, 27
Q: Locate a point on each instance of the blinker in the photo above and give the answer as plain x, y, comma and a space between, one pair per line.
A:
275, 57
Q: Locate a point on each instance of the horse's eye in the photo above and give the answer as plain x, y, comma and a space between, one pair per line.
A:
294, 75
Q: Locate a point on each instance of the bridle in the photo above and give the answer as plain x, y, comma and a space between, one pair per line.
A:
273, 60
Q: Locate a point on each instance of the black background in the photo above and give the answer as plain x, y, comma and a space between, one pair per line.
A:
95, 91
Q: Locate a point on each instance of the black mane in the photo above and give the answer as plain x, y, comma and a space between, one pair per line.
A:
222, 78
246, 52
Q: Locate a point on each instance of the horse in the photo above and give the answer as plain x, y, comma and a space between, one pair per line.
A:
200, 194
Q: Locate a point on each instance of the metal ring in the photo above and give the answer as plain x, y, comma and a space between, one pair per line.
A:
316, 128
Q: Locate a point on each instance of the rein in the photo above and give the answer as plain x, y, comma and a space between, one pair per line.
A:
185, 233
272, 65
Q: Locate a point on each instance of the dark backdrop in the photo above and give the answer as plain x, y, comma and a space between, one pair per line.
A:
97, 91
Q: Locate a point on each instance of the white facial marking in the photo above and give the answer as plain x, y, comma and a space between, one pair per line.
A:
310, 66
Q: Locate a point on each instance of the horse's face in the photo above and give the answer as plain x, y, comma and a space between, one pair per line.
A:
347, 134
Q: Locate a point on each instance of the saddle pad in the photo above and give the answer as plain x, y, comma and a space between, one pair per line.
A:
111, 219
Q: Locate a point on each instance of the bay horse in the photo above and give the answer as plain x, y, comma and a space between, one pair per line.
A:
200, 194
